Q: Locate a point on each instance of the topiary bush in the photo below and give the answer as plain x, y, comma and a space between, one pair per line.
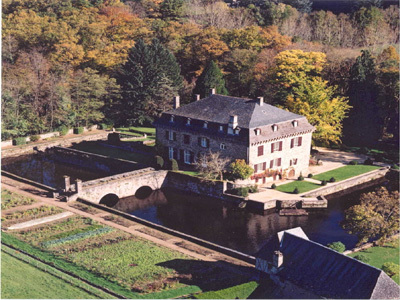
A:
113, 138
353, 163
19, 141
300, 178
296, 190
368, 161
337, 246
310, 175
174, 165
63, 130
34, 138
243, 192
323, 182
253, 189
78, 130
332, 179
273, 186
159, 162
390, 268
362, 257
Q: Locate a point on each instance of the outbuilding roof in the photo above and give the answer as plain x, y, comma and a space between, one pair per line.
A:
218, 108
328, 273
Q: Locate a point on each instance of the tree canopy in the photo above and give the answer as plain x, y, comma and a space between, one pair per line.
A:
211, 77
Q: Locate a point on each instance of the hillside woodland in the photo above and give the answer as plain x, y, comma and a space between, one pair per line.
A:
76, 63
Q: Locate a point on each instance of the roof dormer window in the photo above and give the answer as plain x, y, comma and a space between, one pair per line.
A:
172, 119
221, 128
237, 130
274, 128
258, 131
295, 123
205, 125
188, 121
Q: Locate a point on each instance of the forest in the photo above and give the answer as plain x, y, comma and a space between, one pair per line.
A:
80, 62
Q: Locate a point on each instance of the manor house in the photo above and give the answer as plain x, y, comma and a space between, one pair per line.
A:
275, 142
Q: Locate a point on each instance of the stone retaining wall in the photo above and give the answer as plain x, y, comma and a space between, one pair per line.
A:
66, 142
332, 188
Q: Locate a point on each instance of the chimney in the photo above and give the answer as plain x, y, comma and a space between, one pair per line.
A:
176, 102
212, 92
197, 97
260, 101
277, 259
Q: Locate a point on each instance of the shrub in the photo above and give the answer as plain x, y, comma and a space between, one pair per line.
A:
253, 189
310, 175
390, 268
63, 130
174, 165
103, 126
6, 135
368, 161
395, 167
159, 162
332, 179
273, 186
242, 191
363, 150
353, 163
34, 138
19, 141
78, 130
362, 257
337, 246
113, 138
323, 182
240, 170
300, 178
296, 190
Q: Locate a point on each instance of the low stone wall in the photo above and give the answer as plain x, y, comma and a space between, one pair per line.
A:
66, 142
92, 161
196, 185
336, 187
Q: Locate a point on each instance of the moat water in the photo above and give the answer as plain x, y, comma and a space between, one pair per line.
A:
227, 225
47, 171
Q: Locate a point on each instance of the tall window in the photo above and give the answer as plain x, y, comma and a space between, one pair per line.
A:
275, 163
186, 139
204, 142
296, 142
277, 146
260, 150
187, 157
170, 135
171, 152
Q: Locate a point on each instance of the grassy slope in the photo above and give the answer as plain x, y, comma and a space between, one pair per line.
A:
303, 186
241, 291
379, 255
20, 280
345, 172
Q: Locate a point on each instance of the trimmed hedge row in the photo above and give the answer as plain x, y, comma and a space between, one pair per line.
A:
78, 236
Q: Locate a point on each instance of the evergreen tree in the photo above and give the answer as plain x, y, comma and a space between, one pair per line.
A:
304, 6
211, 77
148, 69
364, 125
171, 9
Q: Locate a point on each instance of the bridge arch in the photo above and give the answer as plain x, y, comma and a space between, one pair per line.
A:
109, 200
143, 192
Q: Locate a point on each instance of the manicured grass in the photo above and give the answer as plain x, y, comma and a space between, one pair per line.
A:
20, 280
140, 130
379, 255
9, 200
190, 173
345, 172
242, 291
116, 153
303, 186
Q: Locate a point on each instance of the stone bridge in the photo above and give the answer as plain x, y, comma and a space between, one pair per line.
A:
120, 185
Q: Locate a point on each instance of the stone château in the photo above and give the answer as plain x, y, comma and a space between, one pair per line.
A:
275, 142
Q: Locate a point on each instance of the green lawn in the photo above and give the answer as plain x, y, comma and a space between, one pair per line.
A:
140, 130
20, 280
303, 186
345, 172
379, 255
116, 153
241, 291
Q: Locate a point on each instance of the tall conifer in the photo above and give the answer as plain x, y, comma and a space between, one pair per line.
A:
211, 77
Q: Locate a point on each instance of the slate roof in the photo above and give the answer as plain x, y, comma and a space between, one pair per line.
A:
218, 108
328, 273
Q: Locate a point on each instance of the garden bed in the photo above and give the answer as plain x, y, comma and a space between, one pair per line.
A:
21, 216
10, 200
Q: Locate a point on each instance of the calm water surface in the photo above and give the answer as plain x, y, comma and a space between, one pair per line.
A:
227, 225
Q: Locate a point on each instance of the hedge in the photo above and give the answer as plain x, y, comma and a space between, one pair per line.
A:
78, 130
19, 141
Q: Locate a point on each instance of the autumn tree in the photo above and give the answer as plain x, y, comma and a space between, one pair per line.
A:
149, 77
211, 165
211, 77
240, 170
375, 218
364, 125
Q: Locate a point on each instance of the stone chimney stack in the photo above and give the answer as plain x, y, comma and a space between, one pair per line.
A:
176, 102
197, 97
277, 259
260, 101
212, 91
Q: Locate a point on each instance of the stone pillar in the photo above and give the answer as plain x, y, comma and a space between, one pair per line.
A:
212, 92
197, 97
78, 186
67, 183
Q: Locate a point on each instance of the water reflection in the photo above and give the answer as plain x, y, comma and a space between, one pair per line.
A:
227, 225
47, 171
